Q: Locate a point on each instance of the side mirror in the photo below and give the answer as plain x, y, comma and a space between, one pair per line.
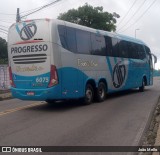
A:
155, 58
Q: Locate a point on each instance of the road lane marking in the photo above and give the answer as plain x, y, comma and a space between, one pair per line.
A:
20, 108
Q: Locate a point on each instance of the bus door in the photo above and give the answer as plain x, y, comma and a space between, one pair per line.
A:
69, 70
150, 64
150, 69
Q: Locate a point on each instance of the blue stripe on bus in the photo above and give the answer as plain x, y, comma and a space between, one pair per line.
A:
72, 86
24, 24
17, 28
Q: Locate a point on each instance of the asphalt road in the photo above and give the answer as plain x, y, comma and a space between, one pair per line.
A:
118, 121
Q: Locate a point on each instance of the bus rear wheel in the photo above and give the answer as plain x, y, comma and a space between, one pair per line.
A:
101, 92
142, 87
89, 94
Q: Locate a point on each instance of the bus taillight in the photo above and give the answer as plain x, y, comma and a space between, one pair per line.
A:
53, 76
11, 78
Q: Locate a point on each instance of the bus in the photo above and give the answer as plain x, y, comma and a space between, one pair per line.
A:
52, 60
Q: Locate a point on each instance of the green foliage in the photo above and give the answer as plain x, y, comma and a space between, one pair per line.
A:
90, 16
3, 51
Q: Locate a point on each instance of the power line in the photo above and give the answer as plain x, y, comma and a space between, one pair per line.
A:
30, 10
3, 30
140, 16
138, 9
7, 14
127, 12
5, 21
43, 7
4, 26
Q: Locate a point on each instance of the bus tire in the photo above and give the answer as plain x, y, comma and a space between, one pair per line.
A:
142, 87
50, 102
89, 94
101, 92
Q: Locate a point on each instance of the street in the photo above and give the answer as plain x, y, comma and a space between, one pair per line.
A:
118, 121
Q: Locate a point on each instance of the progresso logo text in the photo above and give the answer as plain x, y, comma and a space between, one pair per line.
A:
26, 49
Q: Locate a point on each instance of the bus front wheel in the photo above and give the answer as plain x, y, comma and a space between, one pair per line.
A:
142, 87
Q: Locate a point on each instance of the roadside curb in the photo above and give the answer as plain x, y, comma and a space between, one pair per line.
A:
146, 126
5, 96
151, 132
157, 143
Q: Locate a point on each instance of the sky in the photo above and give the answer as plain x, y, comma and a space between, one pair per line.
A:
138, 18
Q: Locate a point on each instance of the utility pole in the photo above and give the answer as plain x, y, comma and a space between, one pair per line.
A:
135, 32
18, 18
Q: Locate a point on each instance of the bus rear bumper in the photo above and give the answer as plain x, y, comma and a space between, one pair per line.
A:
37, 94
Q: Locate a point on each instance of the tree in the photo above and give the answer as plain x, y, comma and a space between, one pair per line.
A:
90, 16
3, 51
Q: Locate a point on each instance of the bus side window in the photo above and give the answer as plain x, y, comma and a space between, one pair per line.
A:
123, 49
108, 46
62, 35
141, 52
83, 42
98, 44
136, 51
71, 39
148, 52
149, 57
132, 52
115, 47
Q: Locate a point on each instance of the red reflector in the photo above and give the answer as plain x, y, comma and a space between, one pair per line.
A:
53, 76
28, 21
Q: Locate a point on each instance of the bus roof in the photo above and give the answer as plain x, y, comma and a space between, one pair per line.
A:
102, 32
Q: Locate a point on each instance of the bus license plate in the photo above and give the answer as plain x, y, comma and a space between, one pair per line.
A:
30, 93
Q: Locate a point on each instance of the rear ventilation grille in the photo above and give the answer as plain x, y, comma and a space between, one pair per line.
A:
29, 59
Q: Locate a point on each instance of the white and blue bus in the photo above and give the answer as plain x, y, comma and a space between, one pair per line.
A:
56, 60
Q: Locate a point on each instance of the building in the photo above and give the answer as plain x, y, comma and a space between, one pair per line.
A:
4, 77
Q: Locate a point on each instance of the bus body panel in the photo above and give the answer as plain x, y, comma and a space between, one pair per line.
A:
30, 57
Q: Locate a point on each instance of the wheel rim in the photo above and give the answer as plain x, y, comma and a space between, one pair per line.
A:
89, 95
101, 92
143, 85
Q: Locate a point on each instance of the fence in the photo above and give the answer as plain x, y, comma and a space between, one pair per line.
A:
4, 77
